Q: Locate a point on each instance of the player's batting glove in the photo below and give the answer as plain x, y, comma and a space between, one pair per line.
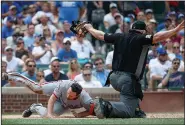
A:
78, 28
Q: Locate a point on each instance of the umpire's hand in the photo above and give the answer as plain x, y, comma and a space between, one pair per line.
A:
88, 26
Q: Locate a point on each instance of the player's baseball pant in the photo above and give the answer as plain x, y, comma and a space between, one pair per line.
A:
58, 109
128, 102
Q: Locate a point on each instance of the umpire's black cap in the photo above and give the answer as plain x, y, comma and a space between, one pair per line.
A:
139, 25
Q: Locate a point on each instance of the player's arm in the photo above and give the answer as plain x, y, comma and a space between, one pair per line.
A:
80, 114
51, 102
160, 36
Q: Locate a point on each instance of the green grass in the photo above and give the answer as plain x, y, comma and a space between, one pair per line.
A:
94, 121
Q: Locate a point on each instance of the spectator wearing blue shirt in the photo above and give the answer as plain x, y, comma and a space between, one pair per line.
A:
66, 54
29, 38
67, 31
100, 73
7, 29
30, 67
174, 78
70, 10
12, 13
6, 5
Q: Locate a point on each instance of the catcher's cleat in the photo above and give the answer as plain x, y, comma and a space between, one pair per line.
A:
102, 108
139, 113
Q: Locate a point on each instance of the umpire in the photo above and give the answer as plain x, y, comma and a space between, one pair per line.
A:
128, 65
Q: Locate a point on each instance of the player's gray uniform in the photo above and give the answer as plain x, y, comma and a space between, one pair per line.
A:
62, 104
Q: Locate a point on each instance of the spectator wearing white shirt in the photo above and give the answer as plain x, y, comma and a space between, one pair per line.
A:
83, 48
108, 61
45, 11
42, 52
158, 67
44, 23
109, 18
87, 80
87, 65
12, 61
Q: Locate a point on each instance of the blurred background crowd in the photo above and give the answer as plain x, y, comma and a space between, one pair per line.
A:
37, 41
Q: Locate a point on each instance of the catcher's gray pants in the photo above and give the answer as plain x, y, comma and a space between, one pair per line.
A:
128, 102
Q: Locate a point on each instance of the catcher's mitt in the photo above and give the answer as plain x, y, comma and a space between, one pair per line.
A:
78, 28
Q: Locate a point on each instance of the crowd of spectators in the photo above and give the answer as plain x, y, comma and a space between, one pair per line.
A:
38, 33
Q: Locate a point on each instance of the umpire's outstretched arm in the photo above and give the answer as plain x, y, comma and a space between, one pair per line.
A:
160, 36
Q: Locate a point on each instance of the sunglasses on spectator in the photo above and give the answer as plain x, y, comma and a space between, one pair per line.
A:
32, 65
73, 62
176, 47
56, 66
67, 43
176, 63
9, 50
40, 76
156, 44
98, 64
20, 43
86, 74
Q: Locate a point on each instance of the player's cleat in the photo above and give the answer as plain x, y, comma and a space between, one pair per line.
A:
102, 108
139, 113
28, 112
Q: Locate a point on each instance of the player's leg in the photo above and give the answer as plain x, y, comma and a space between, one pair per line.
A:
58, 109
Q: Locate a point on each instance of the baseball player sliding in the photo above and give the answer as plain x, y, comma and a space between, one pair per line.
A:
64, 95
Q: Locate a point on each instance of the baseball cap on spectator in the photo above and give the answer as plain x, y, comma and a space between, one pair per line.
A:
172, 13
10, 19
131, 15
19, 38
140, 25
127, 20
8, 47
54, 58
37, 35
148, 11
168, 18
60, 31
20, 16
112, 5
12, 7
66, 40
180, 15
153, 21
161, 51
117, 15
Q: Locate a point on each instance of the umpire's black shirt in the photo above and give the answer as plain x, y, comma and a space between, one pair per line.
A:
129, 48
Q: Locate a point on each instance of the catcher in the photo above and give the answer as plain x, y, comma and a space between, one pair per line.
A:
128, 66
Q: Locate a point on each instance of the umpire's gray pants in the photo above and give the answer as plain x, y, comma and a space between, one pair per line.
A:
128, 102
